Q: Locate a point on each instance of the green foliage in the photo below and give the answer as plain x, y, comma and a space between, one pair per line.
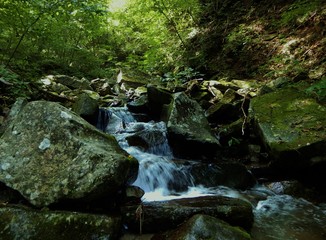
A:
180, 77
156, 33
15, 87
299, 12
68, 33
238, 39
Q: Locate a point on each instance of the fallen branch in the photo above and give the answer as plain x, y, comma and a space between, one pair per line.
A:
244, 114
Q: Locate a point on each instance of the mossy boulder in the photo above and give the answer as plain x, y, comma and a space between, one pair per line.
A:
206, 227
24, 224
48, 154
292, 127
87, 106
189, 132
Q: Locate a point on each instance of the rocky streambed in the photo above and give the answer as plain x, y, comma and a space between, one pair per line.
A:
215, 159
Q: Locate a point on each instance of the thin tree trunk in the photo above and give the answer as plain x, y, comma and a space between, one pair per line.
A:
22, 38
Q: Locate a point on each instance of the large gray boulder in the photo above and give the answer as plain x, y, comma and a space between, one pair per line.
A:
292, 127
25, 224
189, 132
48, 153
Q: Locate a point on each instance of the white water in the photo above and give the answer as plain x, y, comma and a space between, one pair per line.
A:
277, 217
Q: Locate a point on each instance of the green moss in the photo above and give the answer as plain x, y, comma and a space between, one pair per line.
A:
289, 120
318, 90
299, 12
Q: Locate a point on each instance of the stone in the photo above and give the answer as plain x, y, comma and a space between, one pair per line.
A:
23, 224
73, 82
291, 126
48, 154
103, 86
233, 175
164, 215
226, 110
206, 227
189, 132
87, 106
15, 109
157, 98
139, 105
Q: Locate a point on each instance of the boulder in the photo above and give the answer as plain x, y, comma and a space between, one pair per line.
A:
206, 227
227, 110
147, 138
164, 215
233, 175
87, 106
157, 98
48, 154
292, 127
189, 133
23, 224
73, 82
139, 105
103, 86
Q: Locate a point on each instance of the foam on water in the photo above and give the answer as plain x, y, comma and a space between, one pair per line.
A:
277, 217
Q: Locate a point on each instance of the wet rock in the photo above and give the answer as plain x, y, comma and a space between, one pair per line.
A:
139, 105
229, 131
19, 223
160, 216
292, 127
132, 194
48, 153
298, 190
87, 106
234, 175
147, 138
157, 98
285, 217
207, 227
189, 133
226, 110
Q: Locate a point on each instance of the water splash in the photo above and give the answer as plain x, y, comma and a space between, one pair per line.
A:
284, 217
277, 217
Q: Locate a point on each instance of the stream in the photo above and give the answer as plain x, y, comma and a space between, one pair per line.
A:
277, 217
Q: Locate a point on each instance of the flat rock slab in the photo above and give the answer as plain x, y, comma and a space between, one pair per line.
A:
48, 153
164, 215
19, 223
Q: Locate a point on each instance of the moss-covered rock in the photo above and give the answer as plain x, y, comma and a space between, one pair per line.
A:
206, 227
19, 223
189, 132
48, 153
291, 125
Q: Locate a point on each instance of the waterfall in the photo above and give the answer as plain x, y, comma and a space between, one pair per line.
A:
276, 216
158, 175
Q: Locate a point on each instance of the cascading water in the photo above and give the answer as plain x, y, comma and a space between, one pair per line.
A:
158, 176
277, 217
